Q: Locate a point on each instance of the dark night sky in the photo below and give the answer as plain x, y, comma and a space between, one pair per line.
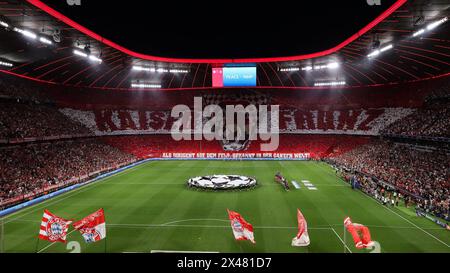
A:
223, 29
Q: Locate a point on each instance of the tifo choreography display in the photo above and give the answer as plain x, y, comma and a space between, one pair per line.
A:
334, 139
222, 182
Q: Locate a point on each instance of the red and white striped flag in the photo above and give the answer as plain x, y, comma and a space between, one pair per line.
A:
92, 227
53, 228
302, 238
241, 229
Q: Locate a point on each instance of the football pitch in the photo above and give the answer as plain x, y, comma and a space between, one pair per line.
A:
150, 209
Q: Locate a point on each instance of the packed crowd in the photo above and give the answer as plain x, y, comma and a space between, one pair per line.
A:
21, 90
424, 174
441, 92
26, 169
19, 120
431, 121
26, 111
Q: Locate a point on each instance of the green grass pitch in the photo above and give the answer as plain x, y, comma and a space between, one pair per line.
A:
150, 208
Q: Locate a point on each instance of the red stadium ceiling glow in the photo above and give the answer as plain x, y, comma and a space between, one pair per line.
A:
209, 88
39, 4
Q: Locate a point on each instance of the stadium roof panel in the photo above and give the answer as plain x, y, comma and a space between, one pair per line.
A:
57, 15
232, 30
411, 58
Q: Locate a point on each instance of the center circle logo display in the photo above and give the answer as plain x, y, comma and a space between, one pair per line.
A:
222, 182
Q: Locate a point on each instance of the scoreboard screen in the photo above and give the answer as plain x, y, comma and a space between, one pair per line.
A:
234, 76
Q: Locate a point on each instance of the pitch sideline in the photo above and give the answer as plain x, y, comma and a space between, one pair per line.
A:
69, 194
401, 217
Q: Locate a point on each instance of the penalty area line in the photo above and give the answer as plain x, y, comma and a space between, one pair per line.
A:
49, 245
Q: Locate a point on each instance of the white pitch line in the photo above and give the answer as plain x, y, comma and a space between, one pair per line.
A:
426, 232
48, 246
190, 220
181, 251
416, 226
396, 227
340, 239
204, 226
317, 227
184, 226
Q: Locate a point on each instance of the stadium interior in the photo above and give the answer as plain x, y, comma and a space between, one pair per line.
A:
375, 105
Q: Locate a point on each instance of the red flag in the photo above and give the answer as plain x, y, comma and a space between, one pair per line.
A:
241, 229
53, 228
302, 238
360, 234
92, 227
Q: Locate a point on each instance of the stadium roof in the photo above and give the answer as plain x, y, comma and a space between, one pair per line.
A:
408, 41
237, 29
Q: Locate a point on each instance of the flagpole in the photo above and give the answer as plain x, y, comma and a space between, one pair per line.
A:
345, 241
37, 245
106, 237
2, 235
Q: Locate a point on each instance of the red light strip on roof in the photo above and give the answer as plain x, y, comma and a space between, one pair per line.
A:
9, 72
221, 88
39, 4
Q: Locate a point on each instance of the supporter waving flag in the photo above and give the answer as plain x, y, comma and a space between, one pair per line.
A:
92, 227
241, 229
53, 228
302, 238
